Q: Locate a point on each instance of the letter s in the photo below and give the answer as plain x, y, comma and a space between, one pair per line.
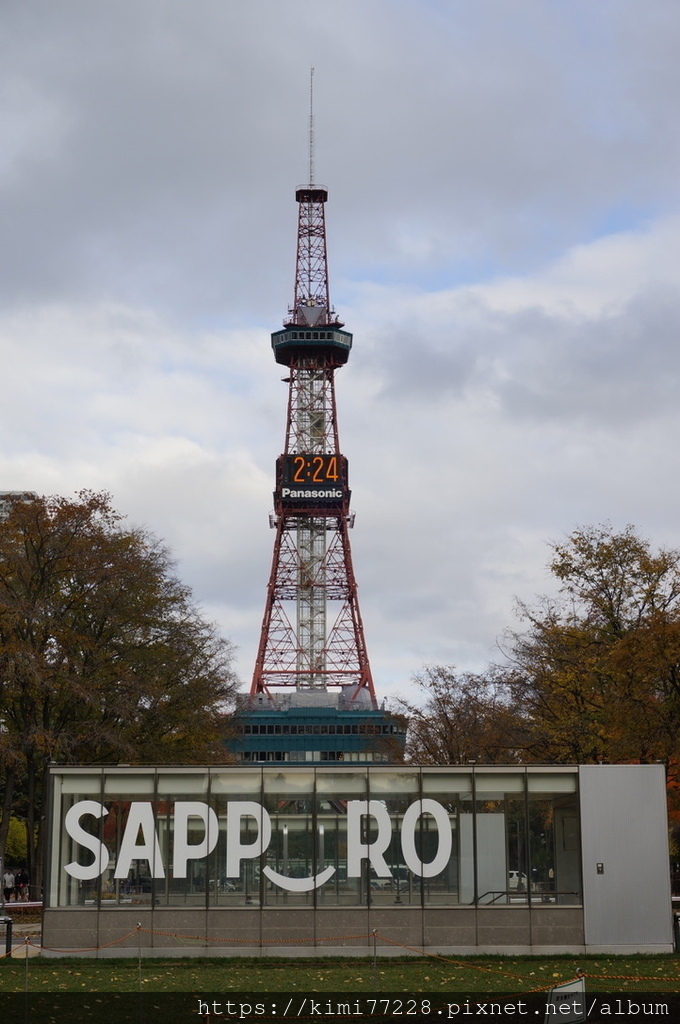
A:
83, 838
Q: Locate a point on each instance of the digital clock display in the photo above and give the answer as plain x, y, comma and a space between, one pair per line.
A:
315, 470
314, 477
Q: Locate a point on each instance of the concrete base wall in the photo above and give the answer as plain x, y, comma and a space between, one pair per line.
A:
342, 931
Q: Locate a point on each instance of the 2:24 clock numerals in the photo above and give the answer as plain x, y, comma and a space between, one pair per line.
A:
320, 469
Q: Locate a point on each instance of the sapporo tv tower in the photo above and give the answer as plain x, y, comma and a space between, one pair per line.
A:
312, 697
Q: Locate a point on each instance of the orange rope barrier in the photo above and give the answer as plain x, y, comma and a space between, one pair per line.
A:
84, 949
518, 977
369, 938
626, 977
262, 942
446, 960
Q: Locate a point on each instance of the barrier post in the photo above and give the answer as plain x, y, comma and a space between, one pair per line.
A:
8, 923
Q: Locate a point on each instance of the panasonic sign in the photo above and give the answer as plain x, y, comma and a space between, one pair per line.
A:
140, 840
296, 493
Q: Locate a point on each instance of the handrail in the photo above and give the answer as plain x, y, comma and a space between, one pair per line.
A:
532, 895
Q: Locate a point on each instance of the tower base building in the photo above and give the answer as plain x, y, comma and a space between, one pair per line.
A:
316, 728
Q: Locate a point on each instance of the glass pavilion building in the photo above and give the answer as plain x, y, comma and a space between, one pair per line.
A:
278, 859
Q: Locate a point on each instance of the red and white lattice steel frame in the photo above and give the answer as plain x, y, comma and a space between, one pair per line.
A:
311, 266
312, 635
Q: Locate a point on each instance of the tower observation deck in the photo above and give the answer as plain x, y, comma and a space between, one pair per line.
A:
312, 696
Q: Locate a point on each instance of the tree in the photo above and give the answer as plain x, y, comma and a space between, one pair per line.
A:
598, 667
16, 849
103, 654
465, 717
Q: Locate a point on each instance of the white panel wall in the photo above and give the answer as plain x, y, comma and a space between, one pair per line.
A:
492, 873
624, 830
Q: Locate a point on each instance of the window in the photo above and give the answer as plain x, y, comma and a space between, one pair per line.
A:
522, 825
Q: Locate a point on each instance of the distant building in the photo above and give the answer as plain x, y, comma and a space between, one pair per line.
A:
316, 728
9, 498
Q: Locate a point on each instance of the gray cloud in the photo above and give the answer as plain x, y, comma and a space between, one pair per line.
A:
503, 230
446, 137
616, 365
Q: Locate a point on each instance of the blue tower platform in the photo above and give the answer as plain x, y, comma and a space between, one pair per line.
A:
303, 731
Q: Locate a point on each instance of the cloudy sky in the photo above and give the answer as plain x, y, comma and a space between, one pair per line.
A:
504, 235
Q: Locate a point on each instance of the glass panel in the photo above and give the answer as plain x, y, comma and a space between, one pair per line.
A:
288, 799
236, 783
136, 884
499, 782
342, 785
177, 785
395, 789
79, 845
499, 842
445, 781
333, 791
518, 873
542, 845
129, 785
231, 786
453, 790
386, 781
82, 784
51, 893
489, 838
551, 782
121, 790
554, 844
189, 836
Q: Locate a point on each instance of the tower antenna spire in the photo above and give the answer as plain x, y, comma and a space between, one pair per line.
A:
311, 126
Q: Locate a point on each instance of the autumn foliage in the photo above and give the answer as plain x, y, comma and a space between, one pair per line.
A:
103, 655
592, 674
598, 667
465, 717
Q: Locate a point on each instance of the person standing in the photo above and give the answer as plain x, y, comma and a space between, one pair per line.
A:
21, 885
8, 884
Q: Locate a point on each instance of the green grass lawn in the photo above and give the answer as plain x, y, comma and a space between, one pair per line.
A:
424, 974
